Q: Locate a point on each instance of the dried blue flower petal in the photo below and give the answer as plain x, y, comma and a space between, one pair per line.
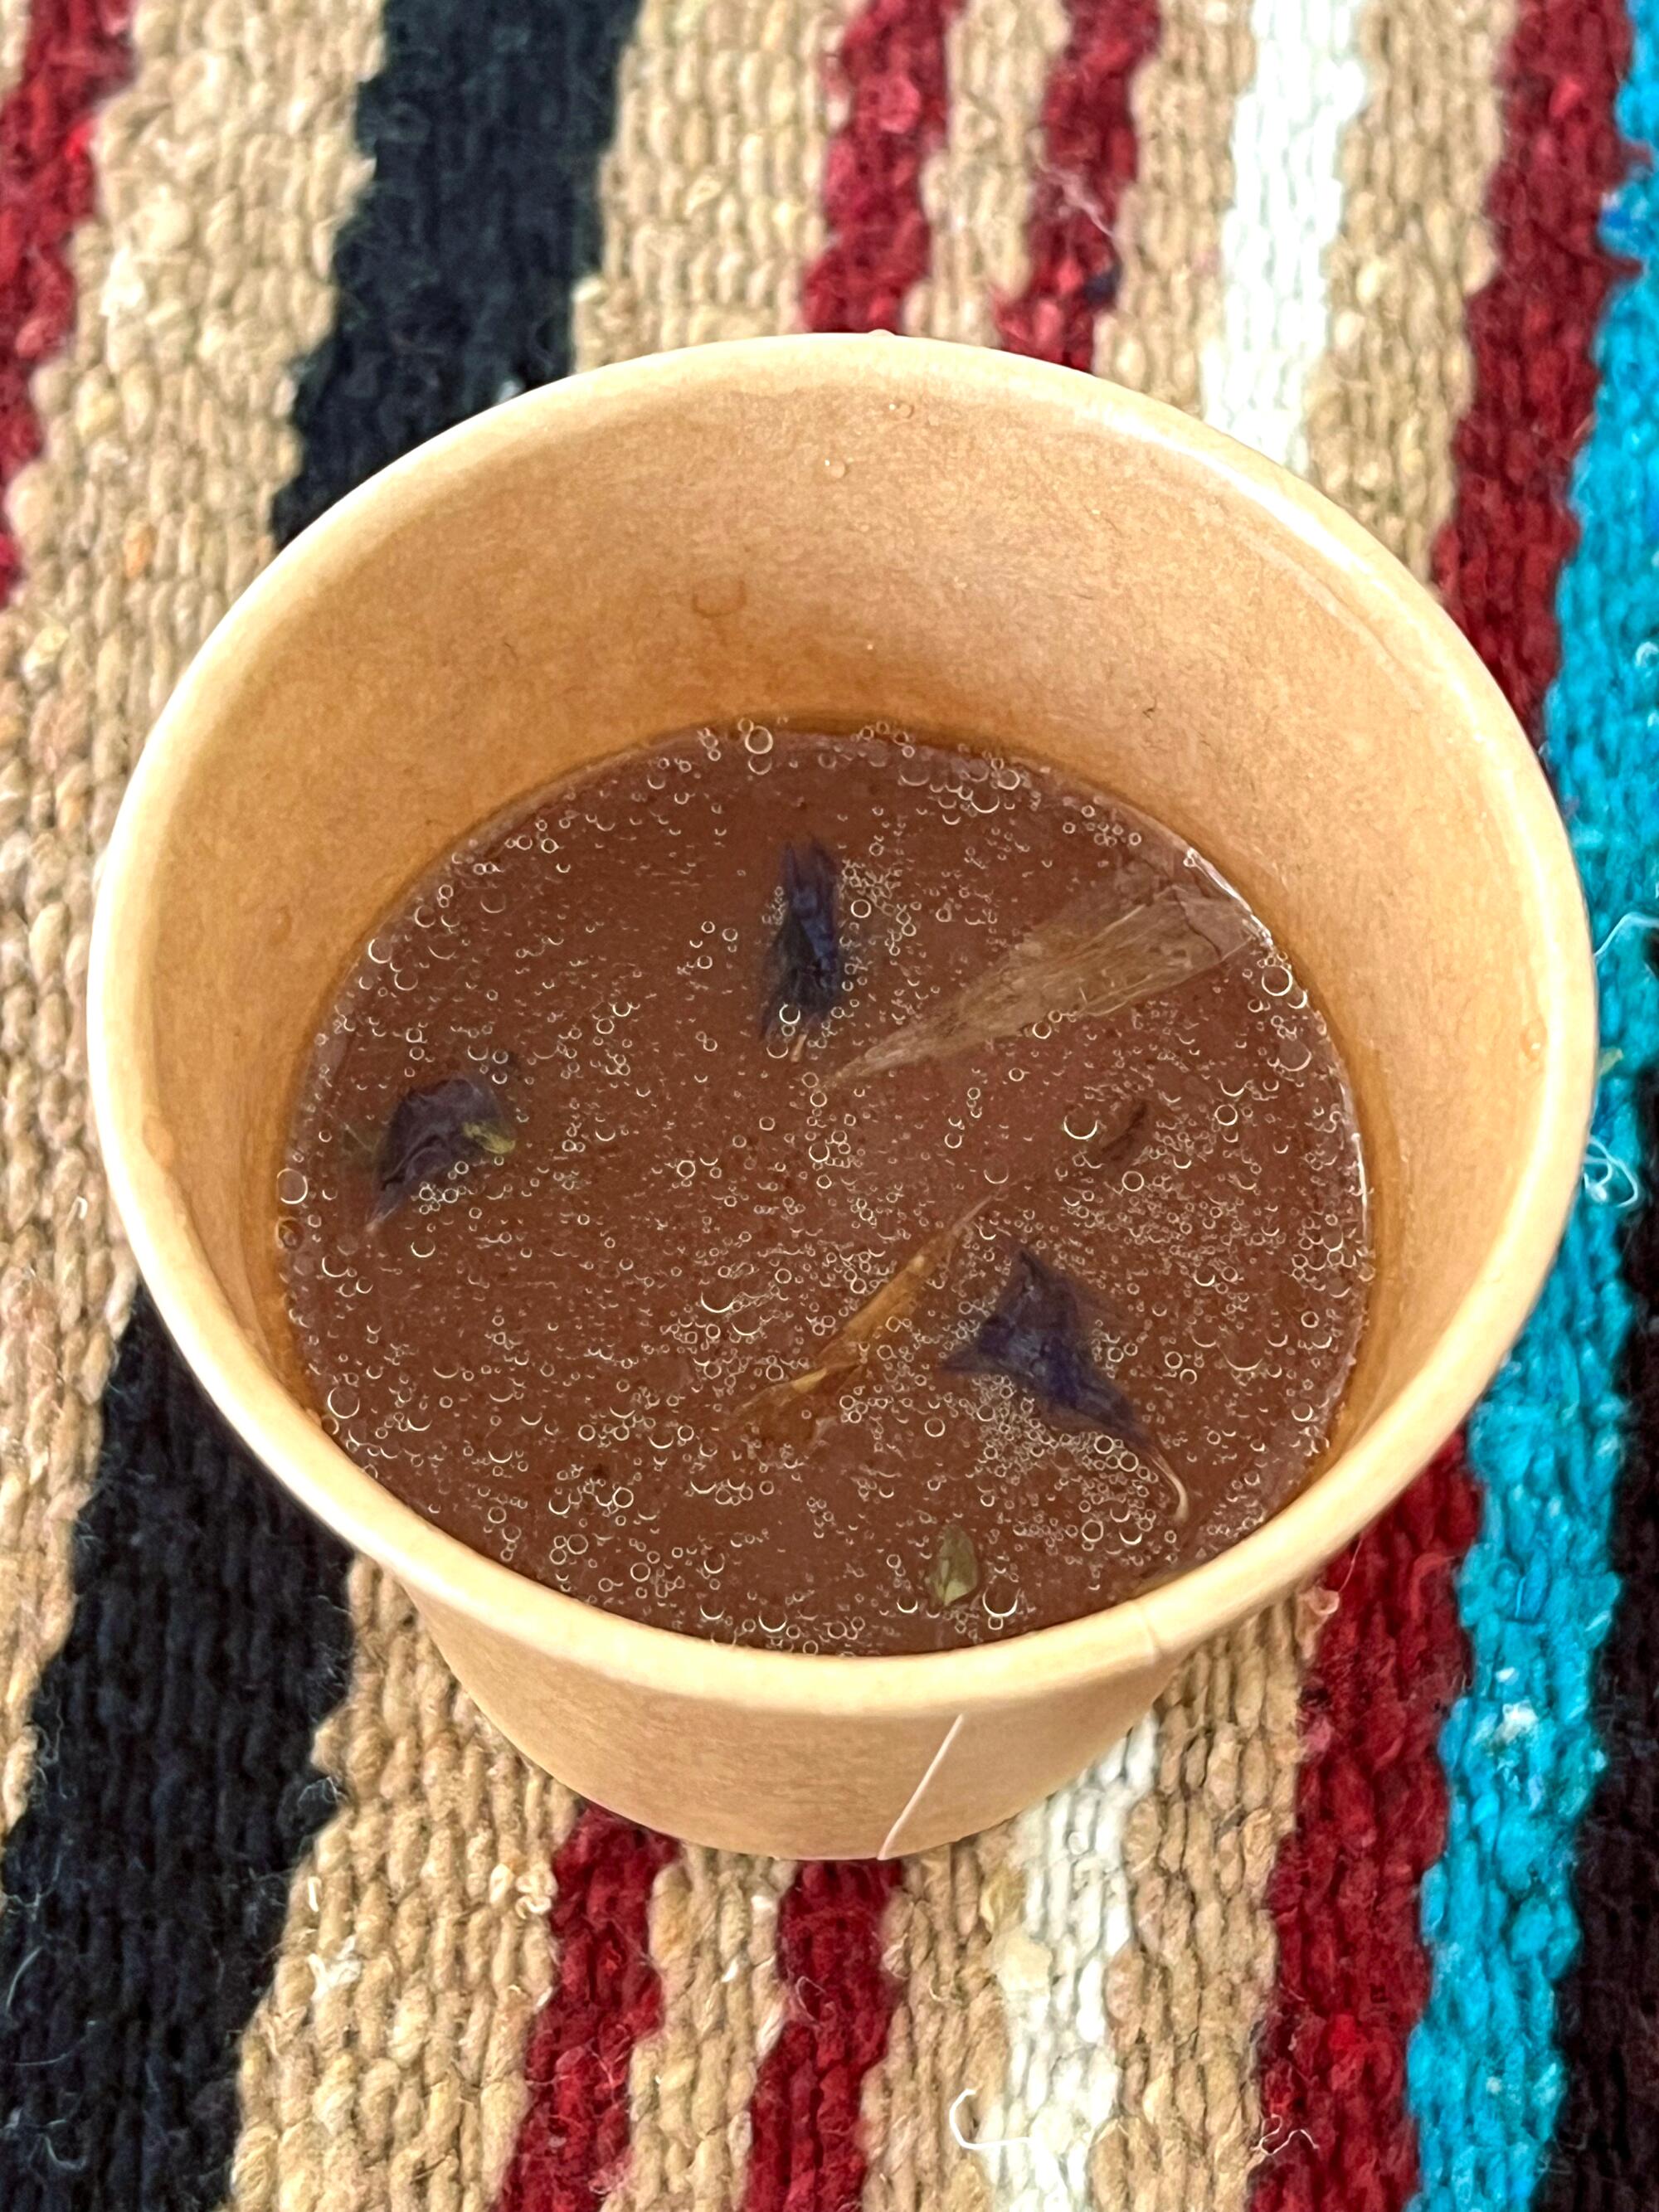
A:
1037, 1336
432, 1130
805, 966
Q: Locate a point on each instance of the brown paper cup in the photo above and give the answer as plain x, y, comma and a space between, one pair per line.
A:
855, 528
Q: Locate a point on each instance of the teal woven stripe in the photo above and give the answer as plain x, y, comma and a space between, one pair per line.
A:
1537, 1591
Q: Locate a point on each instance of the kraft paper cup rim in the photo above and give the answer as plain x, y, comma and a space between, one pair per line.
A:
1167, 1621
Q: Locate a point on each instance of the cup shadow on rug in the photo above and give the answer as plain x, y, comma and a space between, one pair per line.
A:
855, 528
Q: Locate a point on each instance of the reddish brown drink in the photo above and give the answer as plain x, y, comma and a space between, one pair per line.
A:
842, 1193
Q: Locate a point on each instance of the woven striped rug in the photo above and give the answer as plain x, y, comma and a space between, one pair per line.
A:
1366, 1914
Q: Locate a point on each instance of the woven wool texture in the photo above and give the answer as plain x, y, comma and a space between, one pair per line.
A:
1168, 237
712, 188
977, 188
1363, 1916
222, 172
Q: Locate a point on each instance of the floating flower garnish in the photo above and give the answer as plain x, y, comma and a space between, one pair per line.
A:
432, 1130
805, 966
1036, 1335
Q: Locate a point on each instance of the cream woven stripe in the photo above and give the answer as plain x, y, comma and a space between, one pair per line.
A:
1185, 1997
384, 2066
14, 38
712, 192
976, 189
43, 1472
714, 1928
224, 172
1412, 247
947, 2047
1169, 227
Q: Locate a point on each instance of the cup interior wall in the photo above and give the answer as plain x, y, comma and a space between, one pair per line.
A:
863, 545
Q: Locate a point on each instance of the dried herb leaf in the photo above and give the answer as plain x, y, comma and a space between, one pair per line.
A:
1123, 1146
1089, 962
954, 1574
358, 1144
1037, 1334
849, 1348
432, 1130
805, 967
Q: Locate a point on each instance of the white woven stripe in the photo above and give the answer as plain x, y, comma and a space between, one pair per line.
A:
1308, 85
1061, 2081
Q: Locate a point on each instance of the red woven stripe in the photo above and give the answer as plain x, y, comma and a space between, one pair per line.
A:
893, 67
78, 53
1370, 1819
573, 2141
1498, 560
806, 2155
1090, 157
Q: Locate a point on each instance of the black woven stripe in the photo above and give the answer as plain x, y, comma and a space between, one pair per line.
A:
145, 1884
454, 279
1606, 2154
148, 1878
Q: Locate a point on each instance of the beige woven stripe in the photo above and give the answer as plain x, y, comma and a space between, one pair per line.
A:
1168, 226
1185, 1997
225, 171
977, 189
711, 193
948, 2033
13, 38
713, 1931
385, 2065
1412, 247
